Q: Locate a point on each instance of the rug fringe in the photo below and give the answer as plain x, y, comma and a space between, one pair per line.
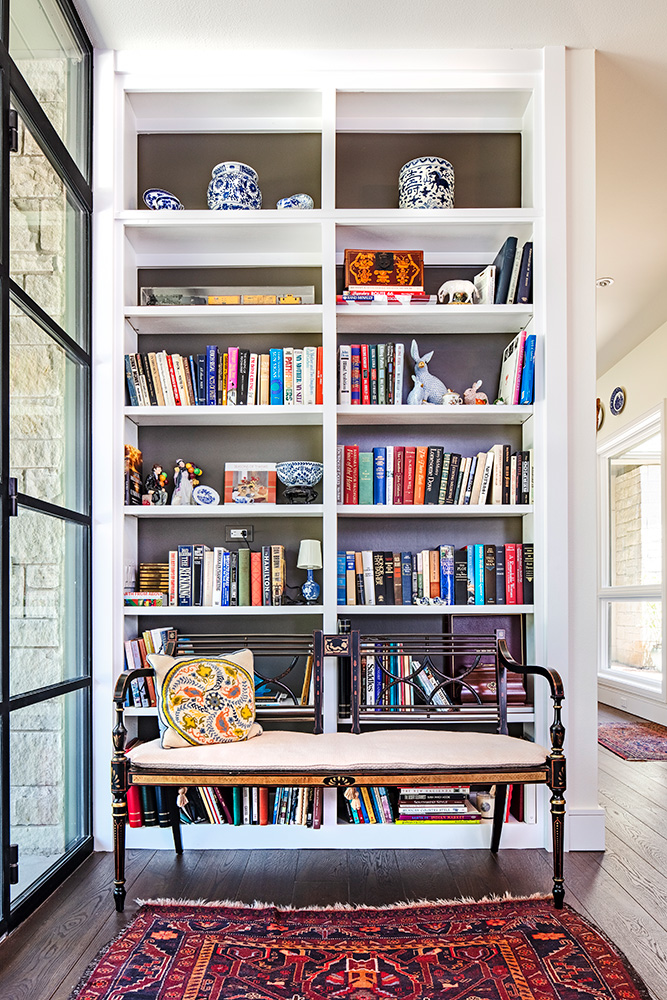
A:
257, 904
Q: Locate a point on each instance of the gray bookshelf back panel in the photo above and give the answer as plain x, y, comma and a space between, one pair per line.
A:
457, 438
286, 163
250, 277
388, 534
487, 166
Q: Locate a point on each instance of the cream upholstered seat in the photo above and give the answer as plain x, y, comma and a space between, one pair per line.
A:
276, 751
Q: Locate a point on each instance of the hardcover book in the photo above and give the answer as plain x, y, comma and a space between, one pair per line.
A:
250, 483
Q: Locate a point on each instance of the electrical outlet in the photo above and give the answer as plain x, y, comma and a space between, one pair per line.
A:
624, 702
239, 532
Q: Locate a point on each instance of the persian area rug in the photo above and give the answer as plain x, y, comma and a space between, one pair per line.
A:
460, 951
634, 740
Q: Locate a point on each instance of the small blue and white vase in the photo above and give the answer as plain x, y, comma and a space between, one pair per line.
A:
233, 186
310, 589
302, 201
426, 182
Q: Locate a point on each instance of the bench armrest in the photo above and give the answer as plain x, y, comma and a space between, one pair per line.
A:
557, 729
124, 681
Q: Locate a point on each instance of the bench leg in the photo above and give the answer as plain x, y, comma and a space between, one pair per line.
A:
557, 833
119, 813
498, 817
175, 819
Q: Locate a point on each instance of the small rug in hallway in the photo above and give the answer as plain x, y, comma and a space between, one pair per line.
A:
634, 740
460, 951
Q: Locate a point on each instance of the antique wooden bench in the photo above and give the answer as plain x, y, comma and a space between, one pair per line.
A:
448, 753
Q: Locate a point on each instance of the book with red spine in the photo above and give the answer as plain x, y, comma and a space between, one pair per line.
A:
519, 573
365, 376
355, 374
173, 380
256, 579
319, 377
409, 475
510, 573
263, 798
351, 474
399, 470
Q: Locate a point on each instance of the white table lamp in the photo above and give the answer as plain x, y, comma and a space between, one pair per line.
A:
310, 558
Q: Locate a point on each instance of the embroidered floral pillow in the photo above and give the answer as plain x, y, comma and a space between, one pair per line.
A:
205, 699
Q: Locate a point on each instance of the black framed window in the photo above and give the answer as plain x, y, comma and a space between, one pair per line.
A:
45, 467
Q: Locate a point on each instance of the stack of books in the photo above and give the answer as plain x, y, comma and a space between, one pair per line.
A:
370, 374
366, 804
444, 804
200, 576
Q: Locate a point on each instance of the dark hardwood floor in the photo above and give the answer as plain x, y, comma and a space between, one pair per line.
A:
623, 890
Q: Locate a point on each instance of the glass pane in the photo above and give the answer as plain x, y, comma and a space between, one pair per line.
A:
49, 445
635, 640
48, 798
49, 595
46, 237
43, 47
635, 515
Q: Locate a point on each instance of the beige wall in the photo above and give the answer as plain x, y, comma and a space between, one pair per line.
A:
643, 375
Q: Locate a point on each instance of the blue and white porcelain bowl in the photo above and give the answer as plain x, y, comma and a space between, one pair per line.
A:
298, 473
302, 201
233, 186
426, 182
159, 199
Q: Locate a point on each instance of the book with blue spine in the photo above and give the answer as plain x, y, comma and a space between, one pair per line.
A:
479, 574
211, 374
504, 263
406, 576
194, 375
470, 560
224, 601
341, 593
131, 388
447, 573
528, 373
379, 475
524, 288
276, 396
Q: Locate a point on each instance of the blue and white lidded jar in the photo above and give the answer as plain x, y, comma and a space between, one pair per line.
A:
233, 186
426, 182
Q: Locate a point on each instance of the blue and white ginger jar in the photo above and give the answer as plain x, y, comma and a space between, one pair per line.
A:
426, 182
233, 186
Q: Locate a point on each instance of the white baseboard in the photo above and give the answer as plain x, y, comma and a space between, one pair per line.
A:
635, 704
584, 829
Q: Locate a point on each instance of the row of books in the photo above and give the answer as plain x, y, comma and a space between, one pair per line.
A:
286, 376
390, 679
237, 806
396, 475
371, 374
142, 689
509, 280
473, 574
200, 576
516, 386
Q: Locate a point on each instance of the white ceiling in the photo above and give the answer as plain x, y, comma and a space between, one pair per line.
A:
631, 97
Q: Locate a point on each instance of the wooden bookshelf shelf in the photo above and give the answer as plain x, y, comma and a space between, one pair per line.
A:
434, 510
224, 416
234, 511
428, 413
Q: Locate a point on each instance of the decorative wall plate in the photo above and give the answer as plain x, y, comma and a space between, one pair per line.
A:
617, 401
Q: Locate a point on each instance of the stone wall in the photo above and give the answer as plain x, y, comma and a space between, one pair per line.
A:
637, 560
39, 544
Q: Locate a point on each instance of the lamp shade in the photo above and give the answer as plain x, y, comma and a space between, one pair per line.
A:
310, 554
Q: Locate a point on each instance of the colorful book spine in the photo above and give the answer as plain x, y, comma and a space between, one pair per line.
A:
379, 475
341, 594
277, 397
355, 374
447, 573
365, 477
211, 374
526, 394
232, 375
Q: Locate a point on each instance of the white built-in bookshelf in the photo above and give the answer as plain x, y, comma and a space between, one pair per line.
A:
343, 116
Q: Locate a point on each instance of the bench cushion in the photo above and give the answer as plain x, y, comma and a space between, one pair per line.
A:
410, 750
